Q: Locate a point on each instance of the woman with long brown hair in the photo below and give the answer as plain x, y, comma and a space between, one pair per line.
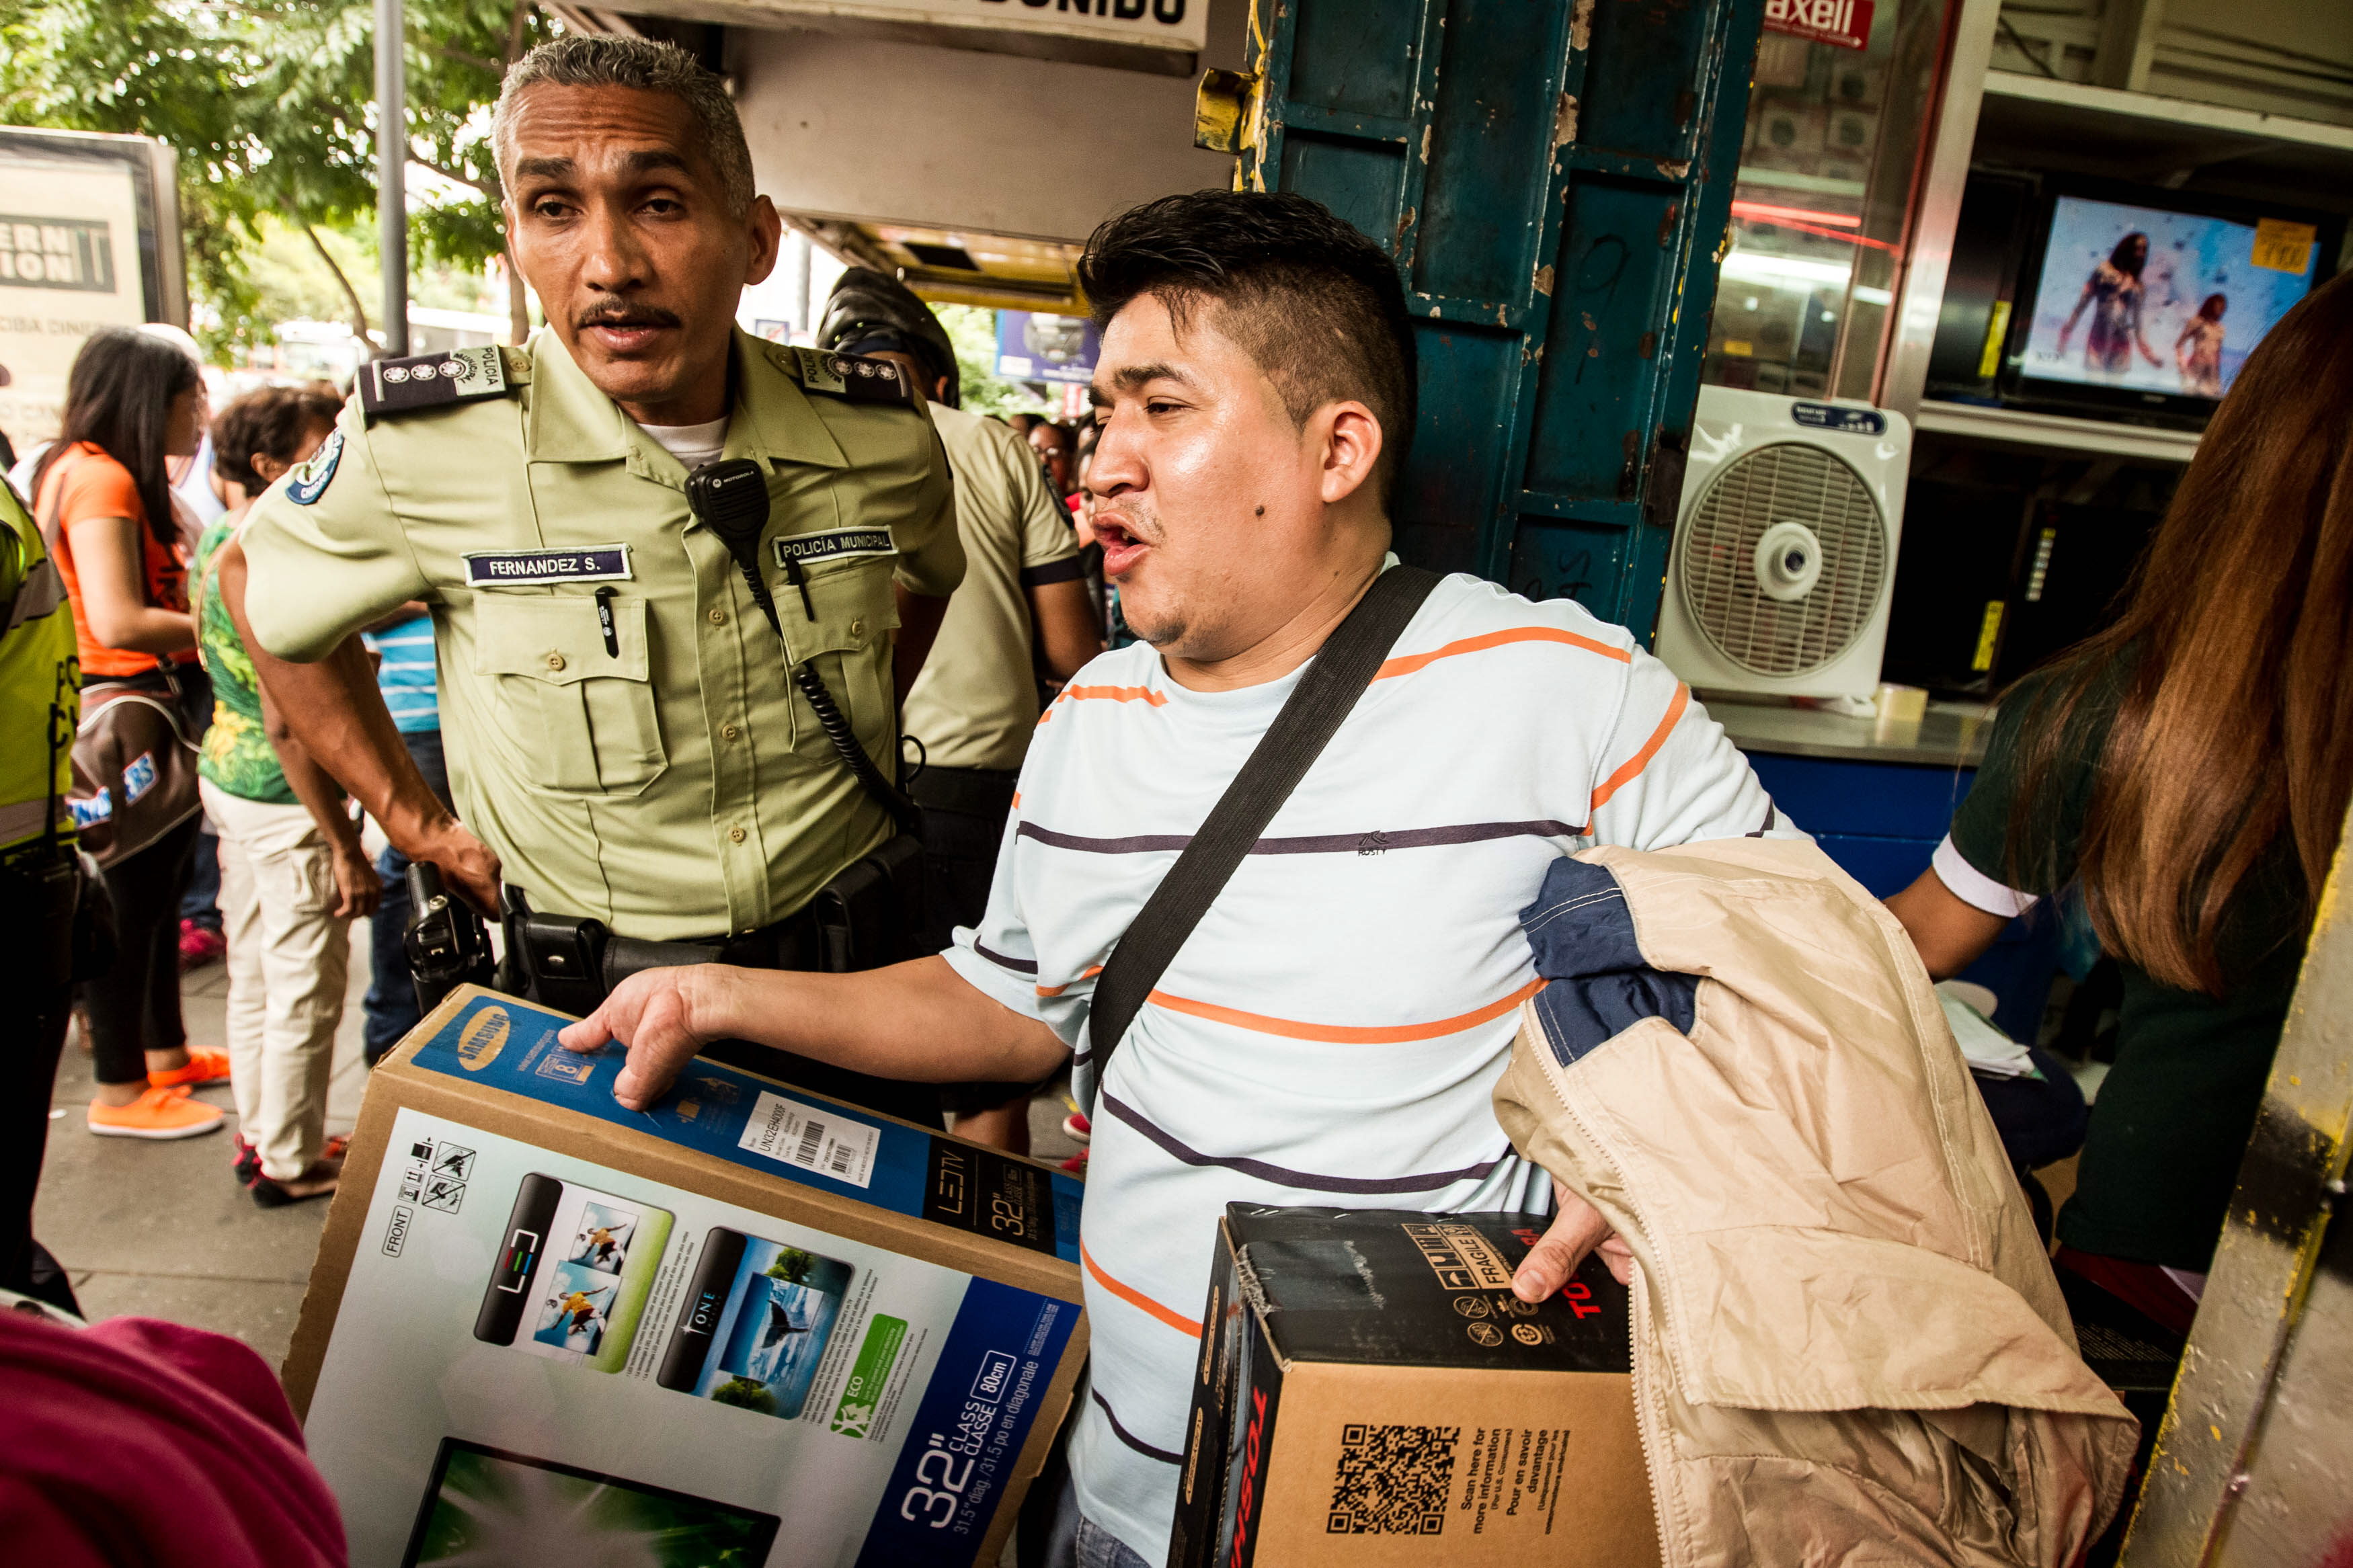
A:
103, 496
2189, 768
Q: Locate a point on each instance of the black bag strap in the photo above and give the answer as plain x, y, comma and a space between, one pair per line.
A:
1322, 699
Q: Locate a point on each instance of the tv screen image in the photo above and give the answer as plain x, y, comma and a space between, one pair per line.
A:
758, 1314
487, 1508
2140, 298
572, 1282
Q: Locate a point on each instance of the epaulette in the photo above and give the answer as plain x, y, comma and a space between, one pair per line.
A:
429, 381
852, 376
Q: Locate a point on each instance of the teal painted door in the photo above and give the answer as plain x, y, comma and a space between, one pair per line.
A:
1553, 178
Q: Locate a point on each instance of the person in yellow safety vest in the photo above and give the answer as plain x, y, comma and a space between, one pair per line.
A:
40, 876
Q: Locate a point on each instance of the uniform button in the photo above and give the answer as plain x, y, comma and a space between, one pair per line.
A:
718, 617
858, 628
734, 836
731, 731
555, 661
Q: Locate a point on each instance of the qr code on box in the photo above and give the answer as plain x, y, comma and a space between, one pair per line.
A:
1392, 1480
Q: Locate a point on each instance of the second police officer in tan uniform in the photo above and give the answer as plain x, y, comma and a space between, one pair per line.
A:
638, 743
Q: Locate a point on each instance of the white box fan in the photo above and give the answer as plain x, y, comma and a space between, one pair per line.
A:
1784, 555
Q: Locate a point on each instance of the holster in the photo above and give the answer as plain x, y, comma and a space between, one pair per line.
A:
869, 915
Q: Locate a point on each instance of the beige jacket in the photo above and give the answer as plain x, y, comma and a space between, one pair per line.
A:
1849, 1348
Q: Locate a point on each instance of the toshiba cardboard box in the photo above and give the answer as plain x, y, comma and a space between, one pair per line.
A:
1371, 1393
751, 1327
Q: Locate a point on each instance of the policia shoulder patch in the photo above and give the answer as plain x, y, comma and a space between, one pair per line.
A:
852, 376
429, 381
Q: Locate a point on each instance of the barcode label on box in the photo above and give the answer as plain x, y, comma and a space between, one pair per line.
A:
816, 1137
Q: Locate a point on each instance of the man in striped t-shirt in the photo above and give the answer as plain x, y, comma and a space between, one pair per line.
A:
1331, 1032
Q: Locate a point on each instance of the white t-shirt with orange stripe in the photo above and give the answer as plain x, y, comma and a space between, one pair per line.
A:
1331, 1030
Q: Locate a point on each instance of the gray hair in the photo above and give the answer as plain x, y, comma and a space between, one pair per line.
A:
612, 60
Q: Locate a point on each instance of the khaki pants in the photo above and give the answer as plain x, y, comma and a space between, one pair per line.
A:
288, 959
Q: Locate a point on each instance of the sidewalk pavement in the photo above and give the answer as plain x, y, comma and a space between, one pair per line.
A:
164, 1230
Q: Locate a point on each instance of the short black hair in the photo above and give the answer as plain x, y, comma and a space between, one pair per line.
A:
1317, 305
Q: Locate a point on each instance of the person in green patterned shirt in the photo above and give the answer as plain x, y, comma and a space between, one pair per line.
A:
293, 875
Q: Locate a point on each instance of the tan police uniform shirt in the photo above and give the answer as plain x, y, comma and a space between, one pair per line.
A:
671, 783
976, 701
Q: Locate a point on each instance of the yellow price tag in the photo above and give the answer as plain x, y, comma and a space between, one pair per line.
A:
1997, 333
1988, 635
2284, 246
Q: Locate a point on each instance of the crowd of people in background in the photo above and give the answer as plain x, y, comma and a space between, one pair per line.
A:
244, 851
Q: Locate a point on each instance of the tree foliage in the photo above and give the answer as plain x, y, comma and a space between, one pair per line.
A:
270, 106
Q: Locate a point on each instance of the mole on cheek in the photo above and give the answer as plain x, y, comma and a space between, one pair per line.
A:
1262, 511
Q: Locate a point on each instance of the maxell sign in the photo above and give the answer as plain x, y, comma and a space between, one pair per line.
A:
1845, 24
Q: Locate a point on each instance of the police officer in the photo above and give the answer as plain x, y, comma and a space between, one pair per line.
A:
650, 749
41, 886
1023, 611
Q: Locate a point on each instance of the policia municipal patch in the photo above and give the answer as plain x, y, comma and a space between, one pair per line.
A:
833, 545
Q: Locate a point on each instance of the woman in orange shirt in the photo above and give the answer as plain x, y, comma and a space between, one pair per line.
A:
101, 492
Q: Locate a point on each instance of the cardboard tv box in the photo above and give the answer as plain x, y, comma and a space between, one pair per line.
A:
753, 1326
1371, 1393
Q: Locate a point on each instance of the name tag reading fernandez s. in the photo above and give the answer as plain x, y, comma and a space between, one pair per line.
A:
529, 568
833, 545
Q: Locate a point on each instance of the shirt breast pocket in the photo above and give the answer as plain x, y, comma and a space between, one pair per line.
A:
582, 721
854, 615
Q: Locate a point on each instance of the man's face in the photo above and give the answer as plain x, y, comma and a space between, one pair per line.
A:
619, 222
1211, 503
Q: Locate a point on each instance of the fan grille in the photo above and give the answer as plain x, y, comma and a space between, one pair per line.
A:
1785, 482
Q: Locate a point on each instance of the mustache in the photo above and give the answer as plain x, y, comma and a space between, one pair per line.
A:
623, 316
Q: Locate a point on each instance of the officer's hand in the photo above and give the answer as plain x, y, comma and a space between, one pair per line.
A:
468, 866
357, 887
652, 1015
1576, 1229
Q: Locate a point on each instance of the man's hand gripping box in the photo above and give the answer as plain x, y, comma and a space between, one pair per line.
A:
752, 1326
1371, 1394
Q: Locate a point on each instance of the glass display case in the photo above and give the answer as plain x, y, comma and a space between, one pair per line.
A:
1824, 203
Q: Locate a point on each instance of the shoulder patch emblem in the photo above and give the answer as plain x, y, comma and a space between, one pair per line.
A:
854, 377
429, 381
310, 478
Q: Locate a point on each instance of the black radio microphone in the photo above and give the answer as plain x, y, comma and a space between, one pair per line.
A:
730, 499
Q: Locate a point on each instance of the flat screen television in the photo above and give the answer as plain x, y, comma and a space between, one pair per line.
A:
2147, 304
2114, 302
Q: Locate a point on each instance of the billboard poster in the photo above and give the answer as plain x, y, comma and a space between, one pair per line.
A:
1031, 346
70, 264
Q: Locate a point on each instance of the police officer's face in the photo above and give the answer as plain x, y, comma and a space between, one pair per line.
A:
1219, 517
619, 222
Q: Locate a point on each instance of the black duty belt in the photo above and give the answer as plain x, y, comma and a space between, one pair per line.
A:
854, 923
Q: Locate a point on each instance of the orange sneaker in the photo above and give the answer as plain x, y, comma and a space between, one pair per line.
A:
156, 1113
207, 1064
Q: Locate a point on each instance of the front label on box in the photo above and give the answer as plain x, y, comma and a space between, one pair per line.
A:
573, 1364
795, 1132
510, 1045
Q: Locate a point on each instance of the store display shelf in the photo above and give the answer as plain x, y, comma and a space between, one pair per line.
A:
2147, 136
2106, 437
